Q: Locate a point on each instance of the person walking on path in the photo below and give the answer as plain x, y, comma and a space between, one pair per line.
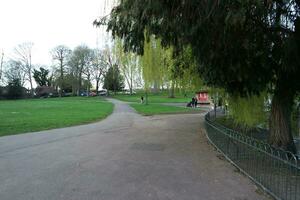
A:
196, 102
193, 102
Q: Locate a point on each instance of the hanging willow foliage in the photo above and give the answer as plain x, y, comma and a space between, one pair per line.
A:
160, 67
185, 71
155, 63
248, 111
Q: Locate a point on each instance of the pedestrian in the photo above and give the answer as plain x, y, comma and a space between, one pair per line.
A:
193, 102
196, 102
142, 99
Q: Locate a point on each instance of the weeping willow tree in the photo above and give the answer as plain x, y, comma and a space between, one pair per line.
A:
159, 66
147, 67
168, 70
248, 112
155, 63
185, 71
162, 66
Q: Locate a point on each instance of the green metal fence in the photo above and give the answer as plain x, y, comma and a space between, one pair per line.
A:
275, 170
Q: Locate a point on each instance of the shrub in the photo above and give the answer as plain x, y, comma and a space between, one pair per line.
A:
14, 90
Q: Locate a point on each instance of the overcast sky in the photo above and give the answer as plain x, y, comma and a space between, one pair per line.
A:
48, 23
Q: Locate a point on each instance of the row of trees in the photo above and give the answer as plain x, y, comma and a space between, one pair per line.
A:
75, 70
157, 69
72, 71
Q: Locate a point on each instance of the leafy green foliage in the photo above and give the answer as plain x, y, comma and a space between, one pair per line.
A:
185, 70
153, 64
248, 111
237, 44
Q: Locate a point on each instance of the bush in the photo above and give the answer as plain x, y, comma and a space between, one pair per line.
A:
248, 111
45, 91
14, 90
1, 92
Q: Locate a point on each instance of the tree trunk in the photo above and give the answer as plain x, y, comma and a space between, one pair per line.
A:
298, 108
30, 76
79, 84
146, 97
31, 86
131, 80
73, 90
215, 110
74, 83
280, 119
130, 86
155, 87
115, 90
88, 86
172, 90
61, 78
97, 86
1, 65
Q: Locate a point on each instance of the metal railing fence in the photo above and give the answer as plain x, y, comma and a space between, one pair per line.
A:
275, 170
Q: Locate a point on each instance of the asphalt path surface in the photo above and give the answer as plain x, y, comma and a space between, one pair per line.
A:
124, 157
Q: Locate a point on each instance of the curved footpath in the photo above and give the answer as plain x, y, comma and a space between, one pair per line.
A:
124, 157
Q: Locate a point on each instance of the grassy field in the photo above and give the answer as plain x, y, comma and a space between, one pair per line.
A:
20, 116
154, 98
153, 109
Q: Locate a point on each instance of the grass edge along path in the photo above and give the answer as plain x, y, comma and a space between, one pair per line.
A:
155, 109
160, 98
32, 115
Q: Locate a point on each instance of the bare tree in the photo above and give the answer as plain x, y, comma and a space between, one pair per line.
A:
14, 71
87, 70
22, 54
99, 67
130, 70
61, 54
79, 62
128, 63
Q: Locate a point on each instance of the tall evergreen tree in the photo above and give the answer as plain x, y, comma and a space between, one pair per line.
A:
113, 80
41, 77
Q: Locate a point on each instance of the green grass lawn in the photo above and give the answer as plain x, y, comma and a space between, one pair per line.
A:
153, 109
20, 116
154, 98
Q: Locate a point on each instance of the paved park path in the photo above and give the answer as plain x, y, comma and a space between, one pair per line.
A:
124, 157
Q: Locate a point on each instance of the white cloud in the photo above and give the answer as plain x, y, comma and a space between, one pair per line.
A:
48, 23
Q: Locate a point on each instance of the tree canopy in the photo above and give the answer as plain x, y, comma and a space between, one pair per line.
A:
233, 40
41, 77
244, 46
